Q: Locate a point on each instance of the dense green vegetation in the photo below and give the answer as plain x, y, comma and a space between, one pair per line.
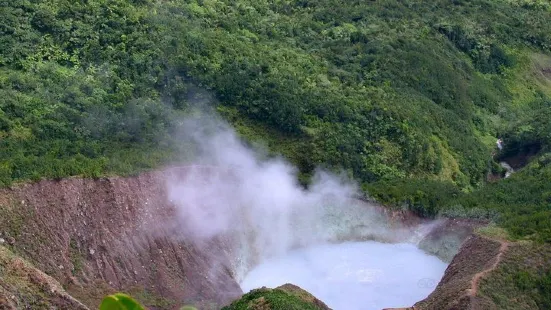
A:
521, 203
278, 298
407, 96
386, 89
75, 98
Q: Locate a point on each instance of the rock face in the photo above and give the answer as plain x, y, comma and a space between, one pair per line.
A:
100, 236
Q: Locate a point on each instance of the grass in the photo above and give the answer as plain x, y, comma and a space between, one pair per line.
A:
407, 97
522, 280
493, 231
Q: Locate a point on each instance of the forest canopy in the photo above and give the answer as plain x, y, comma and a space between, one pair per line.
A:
392, 92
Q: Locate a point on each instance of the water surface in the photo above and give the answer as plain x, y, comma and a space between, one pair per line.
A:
354, 275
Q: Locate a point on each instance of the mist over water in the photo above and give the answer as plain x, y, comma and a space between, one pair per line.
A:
276, 228
354, 275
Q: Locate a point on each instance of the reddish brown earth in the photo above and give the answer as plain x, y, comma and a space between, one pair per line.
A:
473, 291
22, 286
100, 236
458, 288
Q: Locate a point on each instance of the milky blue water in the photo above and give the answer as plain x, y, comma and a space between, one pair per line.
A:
354, 275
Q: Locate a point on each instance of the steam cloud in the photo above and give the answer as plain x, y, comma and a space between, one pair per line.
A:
255, 201
230, 178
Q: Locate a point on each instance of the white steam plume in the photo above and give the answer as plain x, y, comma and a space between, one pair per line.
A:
235, 193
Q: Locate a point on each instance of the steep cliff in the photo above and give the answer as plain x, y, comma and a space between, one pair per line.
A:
114, 234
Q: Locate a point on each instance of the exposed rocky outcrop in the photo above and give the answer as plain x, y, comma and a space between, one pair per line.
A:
458, 289
100, 236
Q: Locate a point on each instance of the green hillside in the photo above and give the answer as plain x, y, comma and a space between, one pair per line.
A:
393, 92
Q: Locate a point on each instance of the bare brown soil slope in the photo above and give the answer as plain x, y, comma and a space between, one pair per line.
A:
458, 289
22, 286
475, 282
100, 236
